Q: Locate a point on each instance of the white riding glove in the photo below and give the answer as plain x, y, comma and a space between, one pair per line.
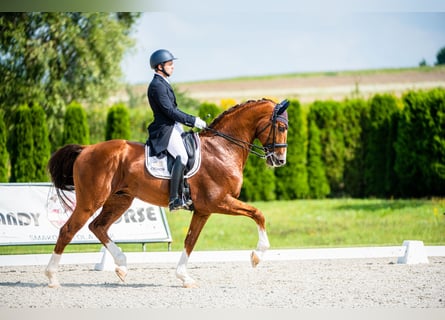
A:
199, 123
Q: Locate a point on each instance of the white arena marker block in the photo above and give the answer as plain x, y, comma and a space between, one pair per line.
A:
107, 261
415, 253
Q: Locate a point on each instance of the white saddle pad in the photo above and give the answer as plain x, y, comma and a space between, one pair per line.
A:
158, 168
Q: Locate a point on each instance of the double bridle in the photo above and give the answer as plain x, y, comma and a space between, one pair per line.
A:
266, 151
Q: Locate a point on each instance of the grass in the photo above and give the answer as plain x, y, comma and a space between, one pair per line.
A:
302, 224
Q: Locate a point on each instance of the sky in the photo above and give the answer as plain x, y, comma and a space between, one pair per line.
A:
221, 44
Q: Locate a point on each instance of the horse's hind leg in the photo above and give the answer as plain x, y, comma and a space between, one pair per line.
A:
113, 208
76, 221
196, 225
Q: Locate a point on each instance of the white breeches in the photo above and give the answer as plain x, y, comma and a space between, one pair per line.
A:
176, 146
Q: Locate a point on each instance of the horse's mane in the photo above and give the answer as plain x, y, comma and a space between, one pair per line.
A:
231, 110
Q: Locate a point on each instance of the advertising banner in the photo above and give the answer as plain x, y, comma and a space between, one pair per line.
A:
33, 214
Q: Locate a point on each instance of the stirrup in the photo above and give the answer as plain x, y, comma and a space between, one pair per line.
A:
177, 204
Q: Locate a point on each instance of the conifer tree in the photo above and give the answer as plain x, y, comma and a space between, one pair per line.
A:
329, 118
317, 180
380, 177
42, 147
75, 129
21, 146
118, 123
4, 157
355, 113
420, 144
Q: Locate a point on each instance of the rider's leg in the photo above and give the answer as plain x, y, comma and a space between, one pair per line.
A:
177, 149
176, 202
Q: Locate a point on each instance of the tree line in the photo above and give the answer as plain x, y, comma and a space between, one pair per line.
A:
381, 147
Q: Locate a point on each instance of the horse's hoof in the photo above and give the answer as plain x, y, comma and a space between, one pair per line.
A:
255, 259
121, 273
190, 285
53, 285
53, 281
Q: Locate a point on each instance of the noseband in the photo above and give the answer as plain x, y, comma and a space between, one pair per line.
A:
265, 151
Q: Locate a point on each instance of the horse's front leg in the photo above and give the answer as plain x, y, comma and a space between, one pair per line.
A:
196, 225
234, 206
262, 246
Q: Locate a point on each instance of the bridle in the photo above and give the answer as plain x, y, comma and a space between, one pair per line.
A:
268, 150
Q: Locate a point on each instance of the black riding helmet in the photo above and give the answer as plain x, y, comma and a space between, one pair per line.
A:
159, 57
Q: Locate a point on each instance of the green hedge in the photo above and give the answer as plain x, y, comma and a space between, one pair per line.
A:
316, 170
118, 123
380, 147
21, 146
4, 157
328, 116
420, 144
75, 127
355, 117
41, 147
258, 180
380, 177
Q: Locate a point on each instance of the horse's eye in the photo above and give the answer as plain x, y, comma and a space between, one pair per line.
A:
281, 129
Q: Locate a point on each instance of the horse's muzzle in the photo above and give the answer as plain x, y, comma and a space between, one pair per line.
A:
274, 160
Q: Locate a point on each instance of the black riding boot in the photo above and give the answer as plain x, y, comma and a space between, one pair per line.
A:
176, 182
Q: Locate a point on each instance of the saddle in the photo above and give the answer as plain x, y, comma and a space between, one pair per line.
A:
160, 165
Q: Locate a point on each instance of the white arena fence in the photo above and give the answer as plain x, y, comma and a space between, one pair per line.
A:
411, 252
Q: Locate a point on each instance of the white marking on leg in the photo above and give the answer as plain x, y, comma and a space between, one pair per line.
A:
119, 259
181, 271
262, 246
263, 240
51, 270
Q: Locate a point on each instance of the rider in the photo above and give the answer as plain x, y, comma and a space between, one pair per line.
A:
166, 129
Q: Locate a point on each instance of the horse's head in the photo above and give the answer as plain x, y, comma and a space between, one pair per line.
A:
242, 124
273, 135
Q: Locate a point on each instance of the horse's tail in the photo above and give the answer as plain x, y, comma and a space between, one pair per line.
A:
60, 166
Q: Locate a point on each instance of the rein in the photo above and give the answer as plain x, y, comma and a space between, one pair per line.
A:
243, 144
261, 151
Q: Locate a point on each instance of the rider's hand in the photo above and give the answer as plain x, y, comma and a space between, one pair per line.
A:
199, 123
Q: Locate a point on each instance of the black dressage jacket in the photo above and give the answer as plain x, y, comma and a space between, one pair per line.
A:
162, 101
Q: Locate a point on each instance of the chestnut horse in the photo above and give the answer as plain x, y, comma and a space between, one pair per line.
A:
111, 174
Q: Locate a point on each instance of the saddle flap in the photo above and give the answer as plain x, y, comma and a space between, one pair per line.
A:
190, 142
160, 165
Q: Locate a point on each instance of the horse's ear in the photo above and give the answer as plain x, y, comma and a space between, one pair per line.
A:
283, 106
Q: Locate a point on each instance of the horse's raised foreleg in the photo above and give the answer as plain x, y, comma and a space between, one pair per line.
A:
113, 208
262, 246
78, 218
233, 206
196, 225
